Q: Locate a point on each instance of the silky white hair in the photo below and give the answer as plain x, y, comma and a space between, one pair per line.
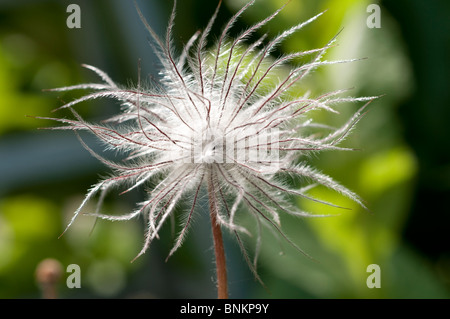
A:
214, 118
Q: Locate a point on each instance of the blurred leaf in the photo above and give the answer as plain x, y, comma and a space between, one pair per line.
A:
17, 58
30, 223
385, 170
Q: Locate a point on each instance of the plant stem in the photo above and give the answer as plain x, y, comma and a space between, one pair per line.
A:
48, 274
221, 268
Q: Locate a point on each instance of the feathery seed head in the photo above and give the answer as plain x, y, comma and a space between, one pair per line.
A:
214, 119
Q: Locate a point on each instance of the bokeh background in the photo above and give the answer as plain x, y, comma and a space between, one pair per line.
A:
402, 169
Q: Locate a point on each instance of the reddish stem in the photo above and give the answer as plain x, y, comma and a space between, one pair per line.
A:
221, 268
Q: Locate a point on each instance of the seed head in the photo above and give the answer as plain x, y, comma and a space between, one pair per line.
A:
216, 119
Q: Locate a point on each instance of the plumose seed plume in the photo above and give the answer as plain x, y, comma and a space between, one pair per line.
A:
220, 119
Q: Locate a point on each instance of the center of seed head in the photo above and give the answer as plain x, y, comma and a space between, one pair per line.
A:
209, 148
209, 152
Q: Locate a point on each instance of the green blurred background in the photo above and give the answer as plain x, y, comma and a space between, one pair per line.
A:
402, 170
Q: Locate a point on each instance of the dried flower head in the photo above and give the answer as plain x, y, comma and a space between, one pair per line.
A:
214, 121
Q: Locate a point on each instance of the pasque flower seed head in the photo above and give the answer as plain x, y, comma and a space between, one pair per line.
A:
219, 118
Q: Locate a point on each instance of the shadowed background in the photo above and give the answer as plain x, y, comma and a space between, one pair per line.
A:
401, 170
